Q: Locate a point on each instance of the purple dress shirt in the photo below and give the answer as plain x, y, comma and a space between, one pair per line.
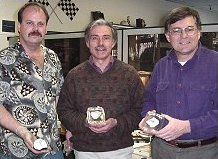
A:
188, 92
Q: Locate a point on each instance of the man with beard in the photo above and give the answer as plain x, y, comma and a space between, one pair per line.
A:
184, 87
108, 83
30, 82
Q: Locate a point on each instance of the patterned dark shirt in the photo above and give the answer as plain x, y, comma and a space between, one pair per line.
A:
30, 95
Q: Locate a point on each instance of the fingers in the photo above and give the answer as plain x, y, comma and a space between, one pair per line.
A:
167, 136
41, 151
103, 127
100, 128
145, 128
174, 129
164, 134
167, 117
29, 139
68, 134
142, 123
97, 130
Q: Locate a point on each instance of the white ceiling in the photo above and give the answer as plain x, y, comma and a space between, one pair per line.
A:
207, 5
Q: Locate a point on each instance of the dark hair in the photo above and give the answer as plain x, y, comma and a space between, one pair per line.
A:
35, 4
179, 14
100, 22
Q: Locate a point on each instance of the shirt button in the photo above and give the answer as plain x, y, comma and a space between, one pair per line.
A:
179, 85
178, 102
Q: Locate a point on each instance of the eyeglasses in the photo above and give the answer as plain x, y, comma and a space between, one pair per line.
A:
190, 30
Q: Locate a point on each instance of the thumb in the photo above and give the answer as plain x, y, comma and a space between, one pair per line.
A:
166, 116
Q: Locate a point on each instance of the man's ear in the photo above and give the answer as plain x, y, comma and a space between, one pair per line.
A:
18, 27
114, 43
167, 37
46, 29
87, 44
199, 34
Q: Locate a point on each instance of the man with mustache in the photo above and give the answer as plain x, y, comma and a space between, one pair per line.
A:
106, 82
184, 87
30, 82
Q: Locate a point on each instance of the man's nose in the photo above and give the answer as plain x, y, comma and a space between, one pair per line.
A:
35, 27
100, 41
184, 33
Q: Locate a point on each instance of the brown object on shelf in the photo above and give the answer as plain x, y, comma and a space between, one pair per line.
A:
144, 77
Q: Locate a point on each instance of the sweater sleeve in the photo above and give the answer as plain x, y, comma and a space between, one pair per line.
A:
68, 114
128, 122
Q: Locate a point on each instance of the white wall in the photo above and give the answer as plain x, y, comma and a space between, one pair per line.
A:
152, 11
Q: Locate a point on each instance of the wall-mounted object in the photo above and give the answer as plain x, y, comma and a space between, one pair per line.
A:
97, 15
8, 26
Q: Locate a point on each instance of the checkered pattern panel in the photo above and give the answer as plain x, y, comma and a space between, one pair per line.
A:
69, 8
43, 2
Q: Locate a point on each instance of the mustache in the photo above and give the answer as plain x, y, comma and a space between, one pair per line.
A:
35, 33
100, 47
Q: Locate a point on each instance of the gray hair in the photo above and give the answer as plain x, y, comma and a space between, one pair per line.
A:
100, 22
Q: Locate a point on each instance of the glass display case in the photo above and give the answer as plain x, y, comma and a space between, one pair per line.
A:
209, 37
142, 48
139, 47
68, 49
72, 50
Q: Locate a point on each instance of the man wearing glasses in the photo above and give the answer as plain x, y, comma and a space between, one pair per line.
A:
184, 88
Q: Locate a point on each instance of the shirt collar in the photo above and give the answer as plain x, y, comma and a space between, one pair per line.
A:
22, 51
172, 55
110, 64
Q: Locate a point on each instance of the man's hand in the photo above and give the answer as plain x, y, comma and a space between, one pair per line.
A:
146, 129
68, 135
174, 129
68, 145
104, 127
29, 139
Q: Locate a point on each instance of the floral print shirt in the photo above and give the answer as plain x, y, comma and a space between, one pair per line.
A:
30, 95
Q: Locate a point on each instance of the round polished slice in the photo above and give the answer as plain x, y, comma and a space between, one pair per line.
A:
40, 144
